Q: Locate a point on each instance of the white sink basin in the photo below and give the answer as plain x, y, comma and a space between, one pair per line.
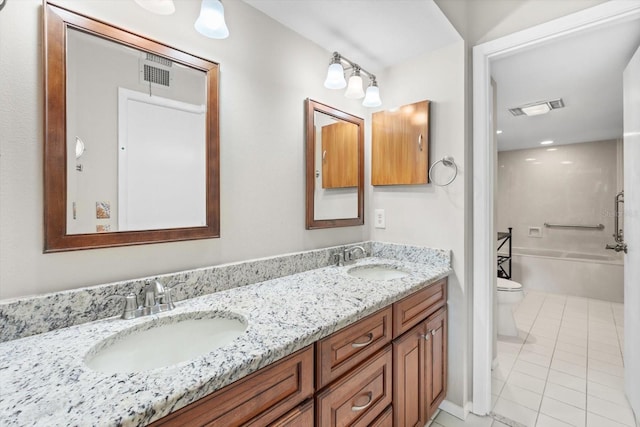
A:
165, 342
377, 272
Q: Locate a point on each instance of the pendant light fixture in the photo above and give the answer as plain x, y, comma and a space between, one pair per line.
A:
161, 7
211, 22
335, 80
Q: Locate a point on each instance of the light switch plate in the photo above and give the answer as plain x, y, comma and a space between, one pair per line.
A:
379, 220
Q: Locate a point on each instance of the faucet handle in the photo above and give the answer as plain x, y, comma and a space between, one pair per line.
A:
130, 304
167, 298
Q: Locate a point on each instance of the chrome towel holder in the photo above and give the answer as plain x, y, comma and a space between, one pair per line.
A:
448, 162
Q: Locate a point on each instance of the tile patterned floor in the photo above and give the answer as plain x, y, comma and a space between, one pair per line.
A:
564, 369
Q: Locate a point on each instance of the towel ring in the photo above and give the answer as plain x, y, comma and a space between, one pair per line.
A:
446, 161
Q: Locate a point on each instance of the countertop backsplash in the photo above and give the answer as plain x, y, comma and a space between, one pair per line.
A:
23, 317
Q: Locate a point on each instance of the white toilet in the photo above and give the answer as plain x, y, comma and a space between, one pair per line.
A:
509, 294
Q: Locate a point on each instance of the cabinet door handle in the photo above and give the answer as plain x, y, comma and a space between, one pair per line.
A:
427, 336
355, 408
324, 154
420, 142
433, 331
363, 344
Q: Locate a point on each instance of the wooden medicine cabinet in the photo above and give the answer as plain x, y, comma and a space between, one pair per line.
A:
400, 145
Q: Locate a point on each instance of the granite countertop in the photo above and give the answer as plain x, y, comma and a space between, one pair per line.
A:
44, 381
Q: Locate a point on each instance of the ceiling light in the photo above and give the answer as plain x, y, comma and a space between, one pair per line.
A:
161, 7
547, 142
372, 98
537, 108
335, 80
354, 90
211, 22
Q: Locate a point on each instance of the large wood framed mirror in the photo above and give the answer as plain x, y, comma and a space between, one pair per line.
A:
131, 149
335, 167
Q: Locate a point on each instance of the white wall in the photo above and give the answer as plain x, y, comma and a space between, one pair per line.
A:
266, 73
535, 186
429, 215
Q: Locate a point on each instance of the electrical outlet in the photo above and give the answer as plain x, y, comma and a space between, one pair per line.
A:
379, 221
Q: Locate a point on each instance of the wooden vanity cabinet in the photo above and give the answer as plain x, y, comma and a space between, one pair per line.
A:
420, 355
256, 400
388, 369
400, 145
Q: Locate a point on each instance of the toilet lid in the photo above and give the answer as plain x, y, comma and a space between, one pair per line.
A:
508, 285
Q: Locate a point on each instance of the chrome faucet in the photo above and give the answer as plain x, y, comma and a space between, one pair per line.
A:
348, 255
157, 299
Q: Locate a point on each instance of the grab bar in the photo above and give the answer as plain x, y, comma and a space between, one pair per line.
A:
593, 227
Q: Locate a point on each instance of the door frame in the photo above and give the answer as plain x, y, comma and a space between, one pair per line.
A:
484, 176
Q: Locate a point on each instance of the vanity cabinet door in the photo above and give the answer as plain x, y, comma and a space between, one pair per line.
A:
400, 145
409, 378
436, 351
256, 400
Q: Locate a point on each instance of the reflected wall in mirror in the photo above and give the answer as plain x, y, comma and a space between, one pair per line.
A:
131, 138
335, 167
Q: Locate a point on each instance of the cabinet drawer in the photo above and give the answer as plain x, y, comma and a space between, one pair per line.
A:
413, 309
269, 392
359, 397
340, 352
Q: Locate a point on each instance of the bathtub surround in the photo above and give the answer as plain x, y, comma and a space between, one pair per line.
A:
574, 184
24, 317
283, 315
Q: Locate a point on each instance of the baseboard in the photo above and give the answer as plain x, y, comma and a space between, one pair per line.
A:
456, 410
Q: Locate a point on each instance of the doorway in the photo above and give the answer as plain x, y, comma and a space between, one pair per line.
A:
484, 155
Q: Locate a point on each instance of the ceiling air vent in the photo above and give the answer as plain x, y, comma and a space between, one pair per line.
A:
151, 57
156, 75
536, 108
155, 69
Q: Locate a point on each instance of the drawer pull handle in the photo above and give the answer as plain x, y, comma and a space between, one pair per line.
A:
363, 344
426, 337
420, 142
355, 408
433, 332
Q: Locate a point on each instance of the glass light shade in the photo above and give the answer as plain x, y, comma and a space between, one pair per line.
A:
211, 22
354, 90
372, 98
335, 77
535, 110
161, 7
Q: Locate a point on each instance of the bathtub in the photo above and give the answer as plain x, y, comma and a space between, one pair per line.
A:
599, 276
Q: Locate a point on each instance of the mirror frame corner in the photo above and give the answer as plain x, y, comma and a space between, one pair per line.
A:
311, 107
56, 21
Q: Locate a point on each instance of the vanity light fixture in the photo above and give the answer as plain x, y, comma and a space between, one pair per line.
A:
211, 21
335, 80
161, 7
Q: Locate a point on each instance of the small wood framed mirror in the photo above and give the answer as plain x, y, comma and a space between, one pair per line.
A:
131, 149
335, 167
